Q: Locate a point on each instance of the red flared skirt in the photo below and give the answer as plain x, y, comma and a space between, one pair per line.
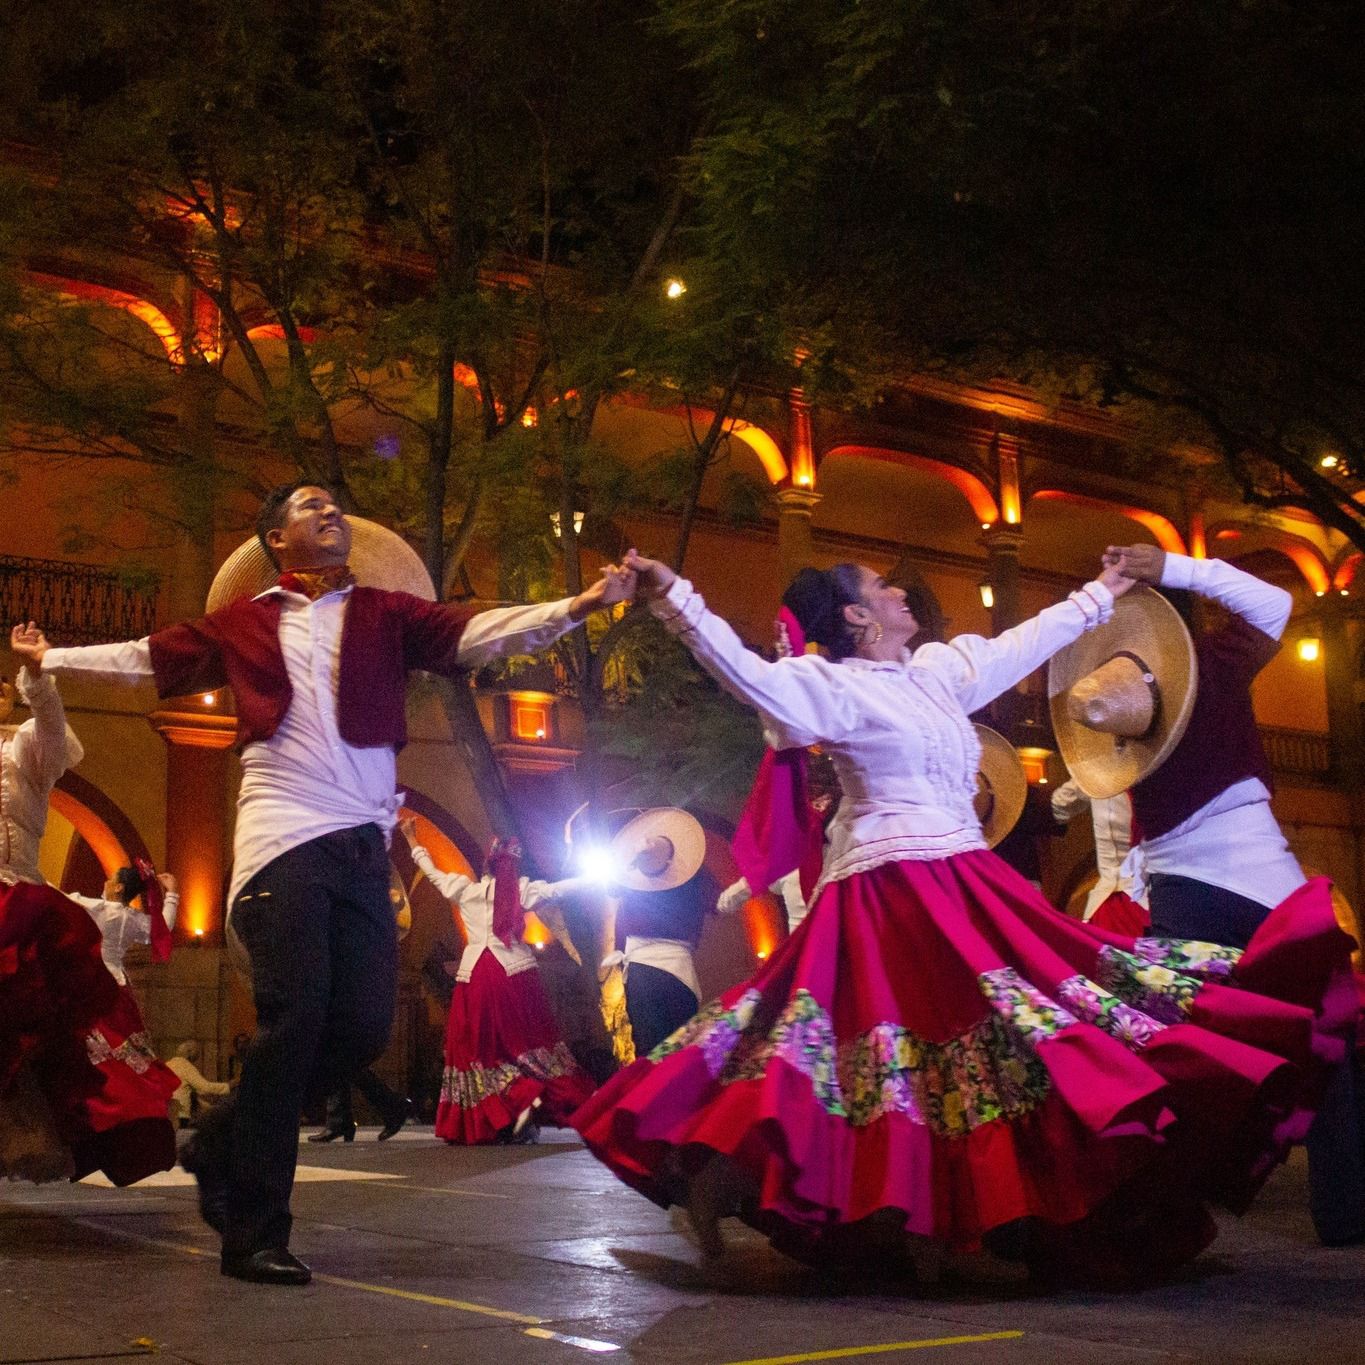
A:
125, 1129
503, 1052
53, 987
938, 1043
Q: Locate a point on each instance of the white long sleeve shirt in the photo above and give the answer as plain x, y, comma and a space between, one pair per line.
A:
786, 888
305, 780
1233, 841
1112, 819
897, 732
474, 901
121, 927
32, 757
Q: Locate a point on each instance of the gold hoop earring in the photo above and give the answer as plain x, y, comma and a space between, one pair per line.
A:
876, 625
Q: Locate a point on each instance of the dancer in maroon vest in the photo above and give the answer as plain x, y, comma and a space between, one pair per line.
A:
318, 667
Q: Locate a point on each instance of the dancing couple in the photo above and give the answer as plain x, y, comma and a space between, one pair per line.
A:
937, 1064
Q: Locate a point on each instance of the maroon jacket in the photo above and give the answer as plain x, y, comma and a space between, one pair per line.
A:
385, 634
1222, 743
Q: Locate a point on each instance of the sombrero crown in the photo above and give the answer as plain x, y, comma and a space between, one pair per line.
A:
1121, 695
658, 850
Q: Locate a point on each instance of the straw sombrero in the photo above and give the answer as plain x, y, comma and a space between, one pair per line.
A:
684, 850
1122, 694
1001, 785
379, 558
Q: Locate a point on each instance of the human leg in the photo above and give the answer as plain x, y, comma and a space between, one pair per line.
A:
657, 1004
1185, 908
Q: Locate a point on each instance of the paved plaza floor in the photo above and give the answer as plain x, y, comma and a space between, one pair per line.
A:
424, 1253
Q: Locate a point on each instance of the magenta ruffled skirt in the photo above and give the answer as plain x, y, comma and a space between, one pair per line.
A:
937, 1044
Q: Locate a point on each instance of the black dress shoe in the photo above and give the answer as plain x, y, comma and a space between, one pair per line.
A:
396, 1120
273, 1265
346, 1134
211, 1177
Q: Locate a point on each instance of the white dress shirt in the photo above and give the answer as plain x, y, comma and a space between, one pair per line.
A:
474, 900
1234, 841
897, 732
1118, 866
305, 780
121, 927
32, 757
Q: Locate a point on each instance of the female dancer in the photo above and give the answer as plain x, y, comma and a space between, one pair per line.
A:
53, 986
129, 1132
935, 1050
505, 1060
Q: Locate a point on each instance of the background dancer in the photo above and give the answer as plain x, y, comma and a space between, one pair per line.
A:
131, 1135
505, 1059
1119, 880
659, 917
320, 719
53, 983
938, 1051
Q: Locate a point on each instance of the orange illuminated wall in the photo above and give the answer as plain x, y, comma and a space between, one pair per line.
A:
979, 497
1162, 528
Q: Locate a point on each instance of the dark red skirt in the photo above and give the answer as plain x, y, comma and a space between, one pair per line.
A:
125, 1129
53, 987
503, 1052
937, 1042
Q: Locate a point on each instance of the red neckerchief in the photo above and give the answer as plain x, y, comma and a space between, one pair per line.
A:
779, 830
315, 583
152, 902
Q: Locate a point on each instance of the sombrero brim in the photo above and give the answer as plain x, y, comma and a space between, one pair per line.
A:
1147, 625
1004, 776
685, 833
379, 558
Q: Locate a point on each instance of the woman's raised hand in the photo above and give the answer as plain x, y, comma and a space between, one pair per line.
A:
652, 577
617, 584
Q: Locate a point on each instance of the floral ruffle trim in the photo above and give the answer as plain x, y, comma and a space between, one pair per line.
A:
1137, 995
953, 1087
469, 1089
991, 1072
135, 1051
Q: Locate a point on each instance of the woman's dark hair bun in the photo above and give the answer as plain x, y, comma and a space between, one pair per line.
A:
817, 598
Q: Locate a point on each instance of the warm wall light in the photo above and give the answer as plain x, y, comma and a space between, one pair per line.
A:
674, 288
1309, 649
529, 716
1329, 461
1034, 759
529, 418
987, 595
577, 523
209, 698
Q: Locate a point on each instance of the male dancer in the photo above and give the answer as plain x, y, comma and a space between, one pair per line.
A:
320, 720
1216, 860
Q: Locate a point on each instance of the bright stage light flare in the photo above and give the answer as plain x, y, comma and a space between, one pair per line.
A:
598, 865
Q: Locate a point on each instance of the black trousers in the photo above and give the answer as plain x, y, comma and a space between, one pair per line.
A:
319, 928
388, 1104
657, 1004
1185, 908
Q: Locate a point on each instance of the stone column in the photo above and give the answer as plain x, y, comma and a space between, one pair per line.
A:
1003, 544
197, 820
1343, 632
794, 546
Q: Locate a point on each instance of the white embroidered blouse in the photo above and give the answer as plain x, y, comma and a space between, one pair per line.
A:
474, 900
32, 757
897, 732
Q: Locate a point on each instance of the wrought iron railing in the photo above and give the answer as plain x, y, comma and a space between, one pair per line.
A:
76, 604
1299, 753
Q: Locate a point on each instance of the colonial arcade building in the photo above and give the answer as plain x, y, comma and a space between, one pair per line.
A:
992, 499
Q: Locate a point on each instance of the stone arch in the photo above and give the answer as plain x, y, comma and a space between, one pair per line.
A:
101, 827
973, 488
1237, 540
1160, 527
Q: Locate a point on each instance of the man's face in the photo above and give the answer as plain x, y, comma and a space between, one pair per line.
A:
314, 534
